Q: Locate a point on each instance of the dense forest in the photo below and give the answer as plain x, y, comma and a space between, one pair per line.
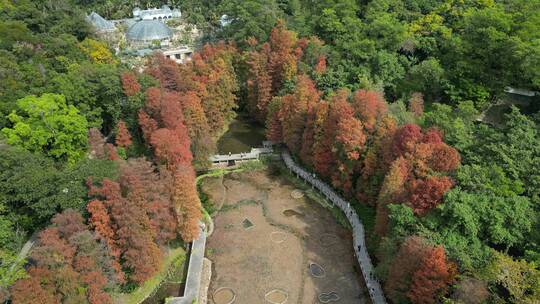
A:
383, 99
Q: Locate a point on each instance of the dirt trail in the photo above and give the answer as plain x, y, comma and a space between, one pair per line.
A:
265, 240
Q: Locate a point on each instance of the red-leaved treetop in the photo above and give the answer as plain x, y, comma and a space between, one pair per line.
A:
432, 136
214, 71
186, 202
26, 291
123, 138
259, 83
314, 131
165, 70
324, 159
294, 109
172, 146
68, 266
392, 191
431, 279
444, 158
133, 236
274, 130
171, 115
350, 137
69, 223
349, 144
405, 264
320, 67
282, 59
370, 107
202, 144
406, 139
426, 194
130, 84
153, 102
147, 124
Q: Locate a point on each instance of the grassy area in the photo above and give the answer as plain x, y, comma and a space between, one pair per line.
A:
175, 258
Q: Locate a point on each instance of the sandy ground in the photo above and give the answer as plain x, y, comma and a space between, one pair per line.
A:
286, 237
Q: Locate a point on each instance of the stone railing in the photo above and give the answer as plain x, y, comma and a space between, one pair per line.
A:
374, 288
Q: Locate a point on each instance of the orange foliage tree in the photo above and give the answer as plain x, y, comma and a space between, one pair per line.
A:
123, 138
186, 202
431, 279
293, 112
130, 84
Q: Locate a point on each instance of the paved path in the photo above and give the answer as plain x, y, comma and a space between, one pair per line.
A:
193, 281
374, 288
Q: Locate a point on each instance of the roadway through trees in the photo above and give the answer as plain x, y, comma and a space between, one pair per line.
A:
270, 246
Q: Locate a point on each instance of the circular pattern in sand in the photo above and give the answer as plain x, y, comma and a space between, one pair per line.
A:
327, 297
276, 296
317, 270
278, 237
297, 193
328, 239
224, 295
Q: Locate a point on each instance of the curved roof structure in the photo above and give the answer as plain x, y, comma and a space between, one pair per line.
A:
100, 23
148, 30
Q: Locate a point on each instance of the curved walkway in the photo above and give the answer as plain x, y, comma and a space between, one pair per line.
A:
374, 288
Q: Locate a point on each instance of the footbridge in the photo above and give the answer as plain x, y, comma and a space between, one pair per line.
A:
359, 243
227, 160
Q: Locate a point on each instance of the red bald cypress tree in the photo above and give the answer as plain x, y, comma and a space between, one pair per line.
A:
162, 122
133, 236
202, 144
65, 267
147, 124
426, 194
324, 159
215, 71
432, 278
320, 66
172, 146
370, 107
130, 84
294, 109
314, 131
259, 83
432, 136
165, 70
392, 191
406, 138
27, 291
444, 158
377, 161
186, 202
407, 261
123, 138
274, 130
282, 58
349, 144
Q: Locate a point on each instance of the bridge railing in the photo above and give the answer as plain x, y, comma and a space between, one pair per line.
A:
359, 243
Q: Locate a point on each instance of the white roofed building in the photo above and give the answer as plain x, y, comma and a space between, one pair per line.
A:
163, 13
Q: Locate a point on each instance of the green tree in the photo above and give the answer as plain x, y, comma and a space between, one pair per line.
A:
513, 281
48, 125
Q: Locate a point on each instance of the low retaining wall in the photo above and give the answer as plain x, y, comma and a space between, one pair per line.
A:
194, 272
374, 288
